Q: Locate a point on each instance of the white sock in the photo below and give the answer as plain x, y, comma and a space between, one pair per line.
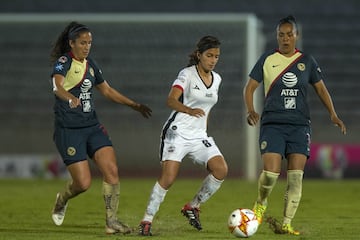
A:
156, 198
266, 183
209, 186
111, 194
293, 194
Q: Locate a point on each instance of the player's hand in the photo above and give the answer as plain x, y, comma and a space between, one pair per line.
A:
252, 118
337, 122
196, 112
74, 102
143, 109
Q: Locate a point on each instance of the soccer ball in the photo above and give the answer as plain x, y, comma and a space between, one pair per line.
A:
243, 223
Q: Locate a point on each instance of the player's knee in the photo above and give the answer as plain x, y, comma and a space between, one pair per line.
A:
110, 174
224, 171
219, 171
82, 186
166, 181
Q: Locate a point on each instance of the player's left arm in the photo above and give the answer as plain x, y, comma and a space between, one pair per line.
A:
115, 96
325, 97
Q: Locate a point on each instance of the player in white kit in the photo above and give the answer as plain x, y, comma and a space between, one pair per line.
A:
193, 94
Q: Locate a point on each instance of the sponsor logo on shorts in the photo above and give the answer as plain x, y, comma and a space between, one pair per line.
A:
171, 149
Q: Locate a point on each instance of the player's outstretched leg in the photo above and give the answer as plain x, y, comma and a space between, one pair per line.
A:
259, 210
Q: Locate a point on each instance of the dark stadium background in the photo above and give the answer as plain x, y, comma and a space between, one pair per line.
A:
330, 32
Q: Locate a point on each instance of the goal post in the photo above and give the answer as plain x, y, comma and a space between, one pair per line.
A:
140, 54
256, 44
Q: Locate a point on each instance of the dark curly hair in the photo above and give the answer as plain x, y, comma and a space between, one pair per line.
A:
204, 44
71, 32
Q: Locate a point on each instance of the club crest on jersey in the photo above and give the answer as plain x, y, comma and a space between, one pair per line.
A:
301, 66
91, 70
62, 59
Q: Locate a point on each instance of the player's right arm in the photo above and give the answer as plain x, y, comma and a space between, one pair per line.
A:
174, 103
248, 94
60, 92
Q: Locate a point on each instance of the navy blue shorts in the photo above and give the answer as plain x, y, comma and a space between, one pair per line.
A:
75, 144
285, 139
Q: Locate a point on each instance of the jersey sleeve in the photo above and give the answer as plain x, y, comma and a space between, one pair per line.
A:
315, 74
97, 72
182, 80
62, 65
217, 80
257, 72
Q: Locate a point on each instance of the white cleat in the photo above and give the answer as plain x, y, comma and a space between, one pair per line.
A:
58, 213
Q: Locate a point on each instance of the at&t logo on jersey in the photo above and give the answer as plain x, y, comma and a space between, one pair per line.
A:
289, 79
85, 95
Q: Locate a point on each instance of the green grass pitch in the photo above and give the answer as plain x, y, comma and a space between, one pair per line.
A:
329, 210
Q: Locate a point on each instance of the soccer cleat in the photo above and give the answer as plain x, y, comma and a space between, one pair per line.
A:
259, 211
145, 228
58, 213
192, 214
115, 226
287, 228
275, 225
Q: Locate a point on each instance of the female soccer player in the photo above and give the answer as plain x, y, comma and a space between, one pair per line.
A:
285, 122
193, 94
78, 133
